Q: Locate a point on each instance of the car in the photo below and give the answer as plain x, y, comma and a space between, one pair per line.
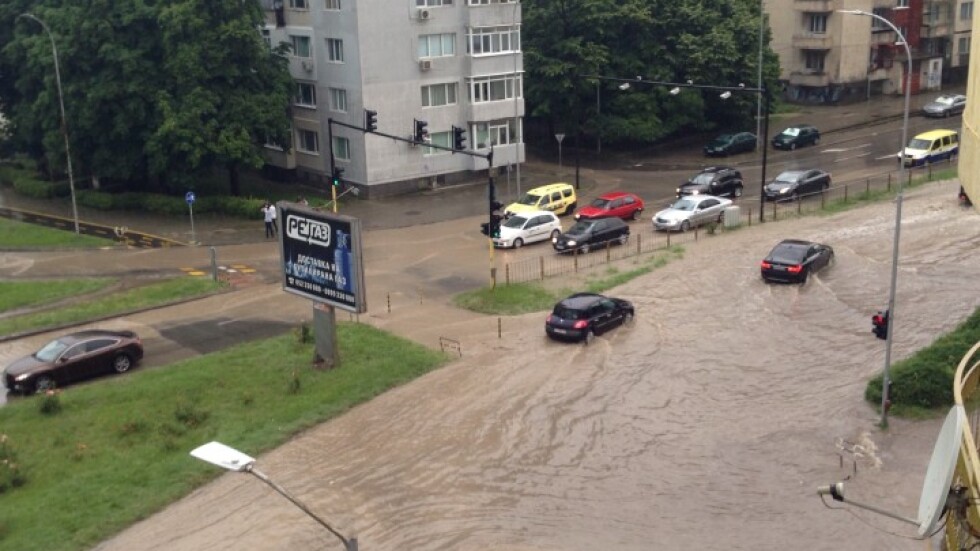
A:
582, 316
945, 105
620, 204
713, 180
793, 184
559, 198
74, 357
691, 211
930, 147
730, 144
591, 233
796, 136
793, 260
527, 227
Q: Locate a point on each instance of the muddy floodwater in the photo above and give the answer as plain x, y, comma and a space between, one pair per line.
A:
707, 424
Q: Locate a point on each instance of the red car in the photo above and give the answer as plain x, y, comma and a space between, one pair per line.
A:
619, 204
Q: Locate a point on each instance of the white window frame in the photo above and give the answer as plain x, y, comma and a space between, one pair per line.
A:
445, 139
305, 91
338, 99
814, 60
428, 43
484, 41
306, 138
296, 40
431, 93
335, 50
432, 3
333, 5
497, 132
491, 2
299, 4
902, 4
966, 11
341, 148
267, 36
485, 89
816, 23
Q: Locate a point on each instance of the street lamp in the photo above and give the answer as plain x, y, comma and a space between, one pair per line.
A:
229, 458
64, 123
898, 210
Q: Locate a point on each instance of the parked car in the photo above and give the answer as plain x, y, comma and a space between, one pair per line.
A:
730, 144
796, 136
793, 260
582, 316
713, 180
74, 357
793, 184
620, 204
588, 234
688, 212
528, 227
559, 198
945, 105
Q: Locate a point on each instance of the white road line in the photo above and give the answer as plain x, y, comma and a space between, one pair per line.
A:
852, 157
892, 156
843, 149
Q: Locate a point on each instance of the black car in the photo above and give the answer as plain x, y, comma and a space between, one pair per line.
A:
793, 184
796, 136
730, 144
582, 316
587, 234
719, 181
792, 260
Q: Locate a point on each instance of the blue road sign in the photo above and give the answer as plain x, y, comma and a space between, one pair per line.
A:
190, 197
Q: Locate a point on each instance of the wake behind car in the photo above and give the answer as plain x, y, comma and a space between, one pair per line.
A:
796, 136
582, 316
792, 260
691, 211
713, 180
588, 234
945, 106
528, 227
793, 184
730, 144
74, 357
620, 204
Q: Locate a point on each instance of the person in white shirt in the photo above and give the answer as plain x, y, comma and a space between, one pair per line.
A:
269, 216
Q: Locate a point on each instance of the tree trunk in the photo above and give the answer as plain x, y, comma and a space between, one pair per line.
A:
233, 180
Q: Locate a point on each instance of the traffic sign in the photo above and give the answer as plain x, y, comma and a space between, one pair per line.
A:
190, 197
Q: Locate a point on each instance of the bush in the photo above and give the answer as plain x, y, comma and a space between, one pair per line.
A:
11, 475
95, 200
28, 185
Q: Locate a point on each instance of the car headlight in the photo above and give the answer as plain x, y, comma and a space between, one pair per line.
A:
22, 377
577, 216
571, 242
784, 190
678, 190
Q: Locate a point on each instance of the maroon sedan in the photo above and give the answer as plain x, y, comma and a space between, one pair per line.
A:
620, 204
74, 357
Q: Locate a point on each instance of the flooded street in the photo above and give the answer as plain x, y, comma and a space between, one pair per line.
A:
707, 424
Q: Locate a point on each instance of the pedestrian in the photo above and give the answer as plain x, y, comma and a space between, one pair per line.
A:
275, 226
269, 216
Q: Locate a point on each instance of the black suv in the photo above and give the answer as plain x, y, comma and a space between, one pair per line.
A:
587, 234
796, 136
714, 180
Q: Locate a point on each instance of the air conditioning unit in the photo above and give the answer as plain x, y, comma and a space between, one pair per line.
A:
307, 65
423, 14
425, 64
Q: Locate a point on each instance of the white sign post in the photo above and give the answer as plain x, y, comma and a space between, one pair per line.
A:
190, 198
559, 137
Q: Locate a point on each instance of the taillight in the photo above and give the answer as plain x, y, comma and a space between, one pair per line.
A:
795, 269
581, 324
549, 319
766, 265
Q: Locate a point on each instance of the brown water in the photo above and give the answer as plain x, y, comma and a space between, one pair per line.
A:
707, 424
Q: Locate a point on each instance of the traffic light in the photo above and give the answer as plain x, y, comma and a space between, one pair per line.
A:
459, 138
421, 133
370, 120
337, 177
879, 324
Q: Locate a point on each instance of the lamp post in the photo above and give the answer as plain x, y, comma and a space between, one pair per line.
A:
64, 123
898, 211
231, 459
758, 103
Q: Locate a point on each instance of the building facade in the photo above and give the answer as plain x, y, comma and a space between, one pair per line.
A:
449, 63
969, 157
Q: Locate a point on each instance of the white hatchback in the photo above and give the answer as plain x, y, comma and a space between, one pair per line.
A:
527, 227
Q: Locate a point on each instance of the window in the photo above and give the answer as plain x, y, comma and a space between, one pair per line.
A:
964, 50
488, 2
437, 45
817, 23
902, 4
438, 138
301, 45
878, 24
338, 99
814, 60
341, 148
335, 50
500, 132
435, 95
267, 36
331, 5
493, 40
966, 11
495, 88
307, 141
429, 3
298, 4
305, 95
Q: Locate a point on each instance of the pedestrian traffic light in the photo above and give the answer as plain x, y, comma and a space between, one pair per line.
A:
421, 133
879, 324
370, 120
459, 138
337, 177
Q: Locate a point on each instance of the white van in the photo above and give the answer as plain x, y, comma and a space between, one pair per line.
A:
930, 147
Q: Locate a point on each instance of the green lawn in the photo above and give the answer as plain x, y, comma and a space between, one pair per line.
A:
20, 235
22, 294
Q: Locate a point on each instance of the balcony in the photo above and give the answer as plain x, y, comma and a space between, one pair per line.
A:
809, 78
812, 41
817, 6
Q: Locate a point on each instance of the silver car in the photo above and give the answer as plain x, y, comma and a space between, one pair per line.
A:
528, 227
945, 105
691, 211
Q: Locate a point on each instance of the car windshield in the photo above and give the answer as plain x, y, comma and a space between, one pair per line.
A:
515, 222
601, 203
529, 199
684, 204
567, 313
703, 179
785, 253
945, 100
919, 144
51, 351
723, 139
791, 132
580, 227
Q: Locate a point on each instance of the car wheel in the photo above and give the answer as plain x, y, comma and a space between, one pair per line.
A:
628, 318
585, 249
738, 192
43, 383
122, 363
518, 243
945, 114
816, 140
635, 215
792, 146
685, 225
623, 239
589, 337
555, 234
803, 276
795, 197
571, 208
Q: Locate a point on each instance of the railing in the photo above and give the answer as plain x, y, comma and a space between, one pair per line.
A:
963, 519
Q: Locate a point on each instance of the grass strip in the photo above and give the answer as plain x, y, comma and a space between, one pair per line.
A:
21, 294
21, 235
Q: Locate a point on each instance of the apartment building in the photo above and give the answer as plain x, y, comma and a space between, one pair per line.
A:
827, 56
969, 157
446, 62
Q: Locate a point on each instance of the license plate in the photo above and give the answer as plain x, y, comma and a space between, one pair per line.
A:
560, 331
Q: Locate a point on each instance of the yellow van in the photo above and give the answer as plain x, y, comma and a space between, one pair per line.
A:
930, 147
558, 198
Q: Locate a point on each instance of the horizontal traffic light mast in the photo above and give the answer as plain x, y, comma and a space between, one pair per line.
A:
419, 131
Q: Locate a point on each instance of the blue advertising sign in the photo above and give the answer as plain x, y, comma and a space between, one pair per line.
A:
321, 257
190, 197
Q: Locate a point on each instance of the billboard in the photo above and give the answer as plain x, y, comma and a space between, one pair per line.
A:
321, 256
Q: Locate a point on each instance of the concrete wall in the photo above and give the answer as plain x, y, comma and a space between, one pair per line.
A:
969, 158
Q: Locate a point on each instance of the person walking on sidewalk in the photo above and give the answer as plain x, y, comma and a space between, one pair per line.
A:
269, 216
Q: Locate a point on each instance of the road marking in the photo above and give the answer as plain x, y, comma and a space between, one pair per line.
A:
852, 157
892, 156
843, 149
